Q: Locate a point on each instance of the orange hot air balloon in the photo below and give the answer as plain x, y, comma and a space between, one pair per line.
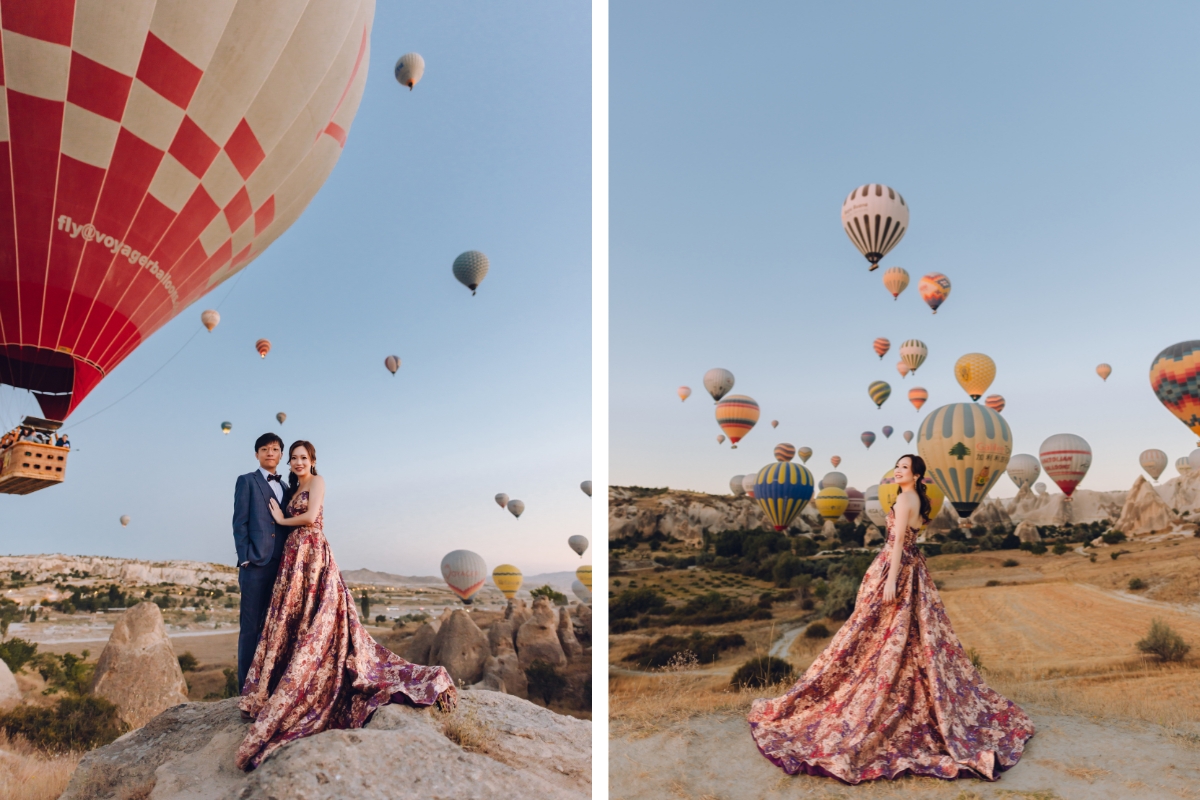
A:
835, 460
737, 414
995, 402
917, 396
881, 346
1104, 370
263, 346
684, 392
902, 368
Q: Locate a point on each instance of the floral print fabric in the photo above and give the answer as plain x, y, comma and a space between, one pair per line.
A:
316, 667
893, 693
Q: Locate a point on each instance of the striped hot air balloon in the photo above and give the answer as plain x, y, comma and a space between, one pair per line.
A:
1175, 379
210, 319
263, 346
785, 451
881, 346
831, 502
805, 453
1154, 462
934, 288
908, 436
464, 572
879, 391
913, 353
226, 427
868, 438
782, 489
584, 574
1066, 458
508, 580
838, 480
835, 460
917, 396
855, 504
1104, 370
966, 448
684, 392
902, 368
737, 414
1024, 470
975, 373
1183, 465
887, 431
895, 280
888, 491
875, 218
995, 402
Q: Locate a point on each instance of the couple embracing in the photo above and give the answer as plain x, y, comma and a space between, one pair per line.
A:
305, 661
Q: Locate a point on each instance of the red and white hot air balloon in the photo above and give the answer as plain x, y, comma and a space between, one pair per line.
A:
835, 460
263, 346
150, 151
881, 346
917, 396
995, 402
1065, 459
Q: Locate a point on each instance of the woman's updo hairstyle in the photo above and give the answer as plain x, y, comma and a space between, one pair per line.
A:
918, 470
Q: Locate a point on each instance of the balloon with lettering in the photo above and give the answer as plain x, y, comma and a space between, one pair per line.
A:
784, 452
502, 500
995, 402
516, 508
782, 490
392, 363
464, 572
226, 427
578, 543
975, 373
281, 417
210, 319
263, 346
881, 347
879, 392
1104, 370
872, 507
805, 453
831, 502
748, 484
835, 460
409, 69
684, 392
934, 288
584, 574
835, 479
913, 353
887, 431
586, 488
1024, 470
1154, 462
895, 280
966, 448
875, 218
917, 396
908, 436
154, 150
718, 382
737, 414
855, 504
1065, 458
868, 438
735, 485
1175, 379
508, 580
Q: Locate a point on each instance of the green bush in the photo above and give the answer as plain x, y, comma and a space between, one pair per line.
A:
1112, 537
545, 681
547, 591
230, 689
1163, 642
68, 672
761, 671
816, 630
73, 723
955, 547
622, 626
9, 613
17, 653
1136, 583
706, 647
1060, 548
839, 603
188, 662
632, 602
714, 608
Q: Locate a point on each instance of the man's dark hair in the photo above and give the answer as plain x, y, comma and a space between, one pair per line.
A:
266, 439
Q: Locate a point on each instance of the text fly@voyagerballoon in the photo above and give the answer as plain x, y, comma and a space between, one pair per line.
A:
117, 247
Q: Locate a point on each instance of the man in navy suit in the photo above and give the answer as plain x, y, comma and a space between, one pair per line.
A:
259, 542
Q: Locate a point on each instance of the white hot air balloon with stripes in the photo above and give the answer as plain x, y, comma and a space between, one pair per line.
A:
1183, 465
1154, 462
409, 69
875, 218
1023, 470
913, 353
470, 268
895, 280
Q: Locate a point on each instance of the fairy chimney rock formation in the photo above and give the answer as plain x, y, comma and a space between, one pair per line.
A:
138, 670
566, 635
461, 647
1144, 511
422, 642
537, 640
10, 693
872, 536
1028, 532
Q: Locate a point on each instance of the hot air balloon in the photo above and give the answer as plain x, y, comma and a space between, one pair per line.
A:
882, 345
584, 574
582, 592
263, 346
470, 268
684, 393
875, 218
1173, 376
748, 484
995, 402
1183, 465
831, 502
1194, 459
1104, 370
917, 396
718, 382
516, 508
1154, 462
902, 368
735, 485
782, 489
895, 280
281, 417
837, 480
805, 453
124, 520
502, 500
975, 373
736, 414
392, 363
132, 199
507, 579
889, 490
720, 438
409, 69
226, 427
908, 436
913, 353
578, 543
1023, 469
868, 438
586, 487
1040, 488
774, 423
784, 452
872, 508
1066, 458
966, 448
934, 288
887, 431
464, 572
879, 391
855, 505
835, 460
210, 319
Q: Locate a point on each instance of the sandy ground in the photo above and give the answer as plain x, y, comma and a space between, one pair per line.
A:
713, 756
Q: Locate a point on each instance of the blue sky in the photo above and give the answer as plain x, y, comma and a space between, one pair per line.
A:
1047, 153
490, 152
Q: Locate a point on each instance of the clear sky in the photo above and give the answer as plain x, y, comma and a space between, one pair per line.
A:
1047, 153
490, 152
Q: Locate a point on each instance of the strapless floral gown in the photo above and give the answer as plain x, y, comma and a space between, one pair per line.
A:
316, 667
893, 693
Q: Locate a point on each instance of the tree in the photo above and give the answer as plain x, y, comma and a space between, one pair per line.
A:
188, 662
545, 681
960, 450
547, 591
9, 612
17, 652
366, 605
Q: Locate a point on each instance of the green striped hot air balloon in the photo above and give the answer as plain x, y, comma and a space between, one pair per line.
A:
966, 447
880, 391
783, 489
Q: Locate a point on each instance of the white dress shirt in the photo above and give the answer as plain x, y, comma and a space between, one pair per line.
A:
276, 486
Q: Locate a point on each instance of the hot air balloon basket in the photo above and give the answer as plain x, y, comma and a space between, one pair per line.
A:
26, 467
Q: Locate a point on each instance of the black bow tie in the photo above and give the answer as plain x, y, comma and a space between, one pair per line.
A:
275, 478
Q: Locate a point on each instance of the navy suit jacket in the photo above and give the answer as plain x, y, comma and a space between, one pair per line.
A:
258, 539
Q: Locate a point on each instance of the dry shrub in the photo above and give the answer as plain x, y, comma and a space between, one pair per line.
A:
27, 773
641, 705
467, 731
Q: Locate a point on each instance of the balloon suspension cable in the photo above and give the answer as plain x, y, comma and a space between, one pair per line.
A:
74, 425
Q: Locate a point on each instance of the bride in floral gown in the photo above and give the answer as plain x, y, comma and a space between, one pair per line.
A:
893, 693
316, 667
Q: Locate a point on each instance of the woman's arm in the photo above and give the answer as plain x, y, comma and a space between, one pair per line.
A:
316, 494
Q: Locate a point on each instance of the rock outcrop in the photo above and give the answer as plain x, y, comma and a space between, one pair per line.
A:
138, 671
1028, 532
947, 520
40, 568
10, 693
1145, 511
872, 536
683, 516
537, 640
566, 635
403, 753
503, 673
1055, 509
991, 514
422, 642
518, 614
461, 647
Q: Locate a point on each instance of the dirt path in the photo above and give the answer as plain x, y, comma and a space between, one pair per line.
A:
713, 756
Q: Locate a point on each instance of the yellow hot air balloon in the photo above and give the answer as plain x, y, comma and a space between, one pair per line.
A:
889, 490
831, 502
975, 373
879, 391
966, 447
584, 574
737, 414
895, 280
507, 579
